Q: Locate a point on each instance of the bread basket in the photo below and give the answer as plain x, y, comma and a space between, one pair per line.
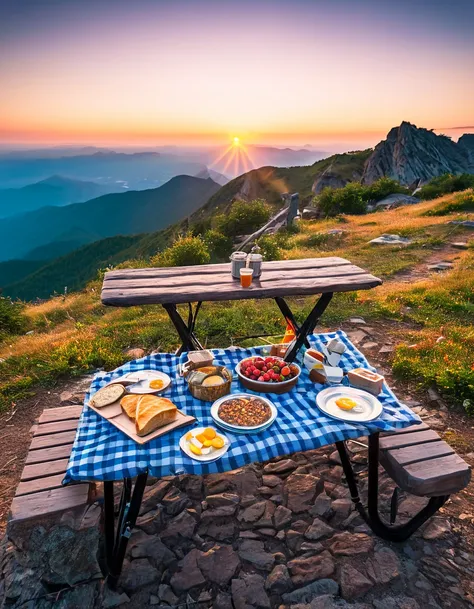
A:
204, 385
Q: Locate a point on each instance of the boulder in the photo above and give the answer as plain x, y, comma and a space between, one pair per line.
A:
351, 544
219, 564
383, 566
189, 575
353, 583
253, 551
282, 517
300, 491
306, 570
318, 530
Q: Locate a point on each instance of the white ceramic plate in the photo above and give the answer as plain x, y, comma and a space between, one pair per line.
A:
368, 407
141, 381
213, 456
241, 428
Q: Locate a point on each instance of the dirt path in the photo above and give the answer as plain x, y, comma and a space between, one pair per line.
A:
446, 253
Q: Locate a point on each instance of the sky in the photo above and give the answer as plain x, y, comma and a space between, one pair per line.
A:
282, 72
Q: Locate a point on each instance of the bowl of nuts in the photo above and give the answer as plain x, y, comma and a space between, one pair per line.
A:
267, 374
243, 413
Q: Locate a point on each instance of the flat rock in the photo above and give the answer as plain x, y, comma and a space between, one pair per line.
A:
306, 594
182, 525
383, 566
300, 491
357, 320
313, 547
390, 240
396, 602
137, 574
436, 528
318, 530
253, 551
282, 517
271, 480
306, 570
189, 574
222, 499
353, 583
166, 594
219, 564
280, 467
249, 591
460, 245
148, 546
175, 501
279, 580
253, 512
153, 495
322, 506
342, 507
242, 481
222, 601
465, 223
111, 598
357, 336
440, 266
351, 544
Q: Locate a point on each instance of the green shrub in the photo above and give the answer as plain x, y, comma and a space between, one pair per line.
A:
220, 246
354, 197
12, 320
185, 251
244, 217
446, 184
270, 247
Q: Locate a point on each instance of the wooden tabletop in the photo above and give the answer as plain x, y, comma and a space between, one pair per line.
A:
211, 282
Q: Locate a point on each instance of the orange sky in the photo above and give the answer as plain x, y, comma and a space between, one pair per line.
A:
188, 73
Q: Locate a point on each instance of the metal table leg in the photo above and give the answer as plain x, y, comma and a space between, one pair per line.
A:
308, 326
116, 543
185, 330
371, 516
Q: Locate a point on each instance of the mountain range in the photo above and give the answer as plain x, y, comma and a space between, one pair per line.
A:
125, 213
50, 236
53, 191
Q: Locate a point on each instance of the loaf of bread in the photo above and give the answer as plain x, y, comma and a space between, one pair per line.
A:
107, 395
152, 413
129, 405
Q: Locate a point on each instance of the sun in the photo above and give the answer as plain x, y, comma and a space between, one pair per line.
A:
236, 141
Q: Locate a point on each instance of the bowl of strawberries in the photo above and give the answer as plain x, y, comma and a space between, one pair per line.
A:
267, 374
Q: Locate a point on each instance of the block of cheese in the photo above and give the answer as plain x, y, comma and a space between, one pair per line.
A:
366, 379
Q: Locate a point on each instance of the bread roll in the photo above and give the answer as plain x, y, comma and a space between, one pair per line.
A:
152, 413
107, 395
129, 405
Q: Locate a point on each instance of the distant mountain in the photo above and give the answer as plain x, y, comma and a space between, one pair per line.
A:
124, 213
413, 156
271, 182
72, 271
137, 171
66, 242
214, 175
16, 270
53, 191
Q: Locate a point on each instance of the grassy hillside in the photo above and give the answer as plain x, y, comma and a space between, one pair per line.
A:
75, 334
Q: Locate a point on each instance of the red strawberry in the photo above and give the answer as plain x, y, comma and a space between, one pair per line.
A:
261, 379
265, 369
266, 377
285, 371
259, 365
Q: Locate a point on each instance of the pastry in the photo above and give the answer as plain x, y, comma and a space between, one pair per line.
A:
107, 395
129, 405
153, 412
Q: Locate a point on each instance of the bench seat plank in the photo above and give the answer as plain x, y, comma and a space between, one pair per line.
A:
52, 453
55, 439
63, 413
40, 470
45, 502
420, 452
44, 429
39, 484
400, 440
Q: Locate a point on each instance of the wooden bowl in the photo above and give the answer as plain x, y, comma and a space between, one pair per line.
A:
262, 387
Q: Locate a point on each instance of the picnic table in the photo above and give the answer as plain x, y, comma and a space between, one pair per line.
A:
214, 282
101, 452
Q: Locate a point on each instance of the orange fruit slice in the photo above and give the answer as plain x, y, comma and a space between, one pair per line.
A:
218, 442
209, 433
207, 443
202, 438
195, 449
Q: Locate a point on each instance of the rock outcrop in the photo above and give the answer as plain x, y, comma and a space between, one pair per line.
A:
414, 156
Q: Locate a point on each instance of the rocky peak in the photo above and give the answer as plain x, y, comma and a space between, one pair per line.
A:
413, 156
466, 142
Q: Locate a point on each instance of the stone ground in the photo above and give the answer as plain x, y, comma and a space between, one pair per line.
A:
279, 534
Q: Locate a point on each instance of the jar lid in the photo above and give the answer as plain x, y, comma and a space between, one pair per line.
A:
255, 257
238, 256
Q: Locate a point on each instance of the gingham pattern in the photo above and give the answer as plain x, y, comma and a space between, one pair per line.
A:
102, 452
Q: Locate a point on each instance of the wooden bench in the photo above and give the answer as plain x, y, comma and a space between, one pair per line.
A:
40, 491
423, 464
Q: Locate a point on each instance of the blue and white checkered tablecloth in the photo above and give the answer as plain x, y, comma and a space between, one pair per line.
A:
102, 452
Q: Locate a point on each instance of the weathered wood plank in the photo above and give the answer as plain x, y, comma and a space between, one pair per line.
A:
51, 453
40, 470
419, 452
45, 502
211, 269
442, 476
183, 294
420, 427
225, 280
409, 439
39, 484
51, 415
53, 440
56, 427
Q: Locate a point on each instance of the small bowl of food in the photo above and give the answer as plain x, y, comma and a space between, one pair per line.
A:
209, 382
243, 413
311, 358
268, 374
